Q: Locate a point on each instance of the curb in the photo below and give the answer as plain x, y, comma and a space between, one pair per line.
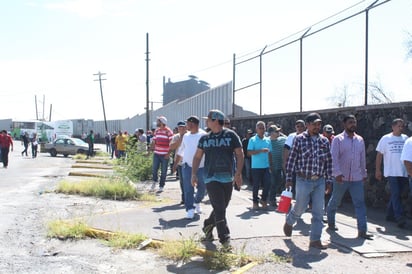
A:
71, 173
106, 234
92, 167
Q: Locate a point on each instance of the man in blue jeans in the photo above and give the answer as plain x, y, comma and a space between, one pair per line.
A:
389, 150
349, 170
259, 148
161, 152
218, 146
186, 151
311, 161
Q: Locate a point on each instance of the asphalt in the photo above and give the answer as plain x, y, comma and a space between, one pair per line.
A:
166, 220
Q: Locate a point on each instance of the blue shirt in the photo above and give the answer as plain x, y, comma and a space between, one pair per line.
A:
260, 160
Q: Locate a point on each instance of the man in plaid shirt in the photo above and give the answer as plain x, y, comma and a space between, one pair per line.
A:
311, 160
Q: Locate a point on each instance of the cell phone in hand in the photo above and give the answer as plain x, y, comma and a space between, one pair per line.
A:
236, 187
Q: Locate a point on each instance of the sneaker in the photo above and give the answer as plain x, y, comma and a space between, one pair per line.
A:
255, 206
332, 227
153, 187
226, 246
264, 204
198, 209
190, 214
365, 235
160, 189
318, 245
208, 233
287, 229
401, 222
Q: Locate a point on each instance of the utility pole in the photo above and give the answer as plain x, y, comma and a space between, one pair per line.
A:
35, 104
147, 84
101, 94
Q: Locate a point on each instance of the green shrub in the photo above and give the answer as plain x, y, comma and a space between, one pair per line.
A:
137, 166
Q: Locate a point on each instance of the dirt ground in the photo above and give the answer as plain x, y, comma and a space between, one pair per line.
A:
26, 207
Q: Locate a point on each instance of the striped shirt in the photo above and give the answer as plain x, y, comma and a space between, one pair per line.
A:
349, 157
162, 138
277, 152
310, 155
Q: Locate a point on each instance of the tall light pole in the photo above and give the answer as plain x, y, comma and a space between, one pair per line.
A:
147, 84
101, 94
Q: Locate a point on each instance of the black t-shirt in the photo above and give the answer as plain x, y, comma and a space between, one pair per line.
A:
219, 149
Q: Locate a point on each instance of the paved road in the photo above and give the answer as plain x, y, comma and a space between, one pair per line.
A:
25, 209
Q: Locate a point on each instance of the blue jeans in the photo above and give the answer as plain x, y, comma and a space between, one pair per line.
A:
275, 183
189, 191
356, 191
307, 190
159, 160
261, 176
182, 189
396, 185
246, 165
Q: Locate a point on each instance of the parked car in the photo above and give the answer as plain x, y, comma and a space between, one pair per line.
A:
66, 146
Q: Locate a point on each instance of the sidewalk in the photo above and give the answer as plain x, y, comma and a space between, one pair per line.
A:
166, 220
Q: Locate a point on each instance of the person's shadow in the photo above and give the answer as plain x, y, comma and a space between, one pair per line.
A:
252, 214
345, 245
300, 258
169, 207
182, 223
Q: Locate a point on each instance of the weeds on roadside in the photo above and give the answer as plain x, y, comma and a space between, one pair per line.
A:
224, 259
79, 156
115, 188
125, 240
103, 188
67, 230
179, 250
137, 166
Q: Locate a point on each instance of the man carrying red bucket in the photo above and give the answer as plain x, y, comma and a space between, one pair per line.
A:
311, 160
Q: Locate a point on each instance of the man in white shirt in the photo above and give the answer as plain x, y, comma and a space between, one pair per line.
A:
389, 149
406, 158
186, 152
177, 163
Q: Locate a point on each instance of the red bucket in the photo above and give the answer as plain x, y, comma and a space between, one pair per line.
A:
285, 201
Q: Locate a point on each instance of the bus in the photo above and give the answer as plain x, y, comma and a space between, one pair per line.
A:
46, 131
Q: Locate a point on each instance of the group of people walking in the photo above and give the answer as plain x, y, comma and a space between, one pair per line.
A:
312, 161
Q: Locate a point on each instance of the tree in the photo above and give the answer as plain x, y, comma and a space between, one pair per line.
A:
377, 93
341, 97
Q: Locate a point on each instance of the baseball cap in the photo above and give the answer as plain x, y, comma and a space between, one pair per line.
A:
193, 119
215, 114
162, 119
300, 122
274, 128
181, 124
328, 129
249, 131
313, 118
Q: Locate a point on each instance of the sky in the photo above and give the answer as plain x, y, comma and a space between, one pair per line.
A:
51, 49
